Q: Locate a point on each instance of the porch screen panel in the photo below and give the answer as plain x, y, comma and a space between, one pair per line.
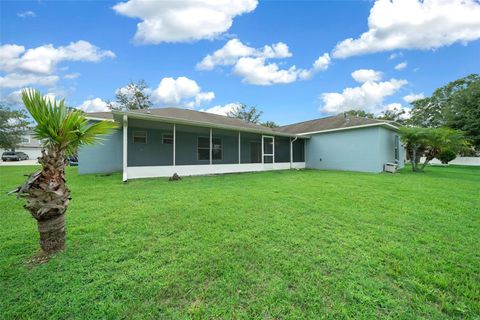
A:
282, 149
251, 148
299, 150
225, 147
154, 147
192, 145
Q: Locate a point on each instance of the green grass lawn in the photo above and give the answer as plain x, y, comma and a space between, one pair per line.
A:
273, 245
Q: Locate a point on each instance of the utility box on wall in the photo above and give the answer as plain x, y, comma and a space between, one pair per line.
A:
390, 167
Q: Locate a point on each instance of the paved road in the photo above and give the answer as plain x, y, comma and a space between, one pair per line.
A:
19, 163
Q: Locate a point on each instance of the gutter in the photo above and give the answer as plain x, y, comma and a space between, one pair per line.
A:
291, 151
385, 124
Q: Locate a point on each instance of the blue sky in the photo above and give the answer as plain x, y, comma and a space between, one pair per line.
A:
310, 29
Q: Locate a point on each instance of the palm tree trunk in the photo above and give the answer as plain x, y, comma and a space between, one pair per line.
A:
52, 234
47, 200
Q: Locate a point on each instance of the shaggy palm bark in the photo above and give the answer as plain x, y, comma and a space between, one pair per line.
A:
47, 199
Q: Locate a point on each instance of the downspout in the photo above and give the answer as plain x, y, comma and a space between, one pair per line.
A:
291, 151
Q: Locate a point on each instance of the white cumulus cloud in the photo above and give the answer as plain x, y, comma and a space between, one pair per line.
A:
183, 21
222, 110
401, 65
413, 97
27, 14
364, 75
254, 66
234, 49
19, 80
415, 24
94, 105
369, 96
180, 92
37, 66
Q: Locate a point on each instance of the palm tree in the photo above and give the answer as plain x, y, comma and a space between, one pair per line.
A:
62, 131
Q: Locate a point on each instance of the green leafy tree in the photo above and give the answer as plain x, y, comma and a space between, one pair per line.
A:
245, 113
46, 192
132, 97
455, 105
396, 115
440, 140
415, 140
360, 113
464, 112
13, 124
446, 155
270, 124
430, 143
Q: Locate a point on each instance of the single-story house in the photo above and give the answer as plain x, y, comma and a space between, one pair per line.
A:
161, 142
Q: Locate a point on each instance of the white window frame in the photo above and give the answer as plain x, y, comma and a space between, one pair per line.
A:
268, 154
211, 153
143, 134
167, 134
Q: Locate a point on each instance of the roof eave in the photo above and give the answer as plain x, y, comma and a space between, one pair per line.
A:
143, 116
384, 124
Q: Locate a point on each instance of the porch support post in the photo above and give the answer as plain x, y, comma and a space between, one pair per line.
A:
273, 149
291, 153
262, 149
174, 142
125, 144
210, 145
239, 149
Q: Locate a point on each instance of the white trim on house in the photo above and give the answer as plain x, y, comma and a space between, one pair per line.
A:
239, 148
192, 170
268, 154
125, 145
348, 128
174, 143
99, 119
140, 134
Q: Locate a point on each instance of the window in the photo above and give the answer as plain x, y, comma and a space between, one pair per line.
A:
140, 137
26, 139
203, 148
167, 138
397, 147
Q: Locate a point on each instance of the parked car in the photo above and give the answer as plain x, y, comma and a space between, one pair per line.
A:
72, 161
14, 156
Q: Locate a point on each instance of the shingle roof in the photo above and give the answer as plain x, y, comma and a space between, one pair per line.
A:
100, 115
189, 115
322, 124
330, 123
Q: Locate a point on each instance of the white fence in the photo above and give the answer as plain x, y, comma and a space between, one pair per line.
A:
464, 161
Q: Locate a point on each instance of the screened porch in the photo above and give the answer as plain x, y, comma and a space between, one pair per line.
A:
155, 149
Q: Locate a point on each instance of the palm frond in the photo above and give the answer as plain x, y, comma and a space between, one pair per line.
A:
59, 126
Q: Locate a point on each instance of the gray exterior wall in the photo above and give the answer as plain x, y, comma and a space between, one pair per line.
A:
364, 149
152, 153
104, 157
387, 147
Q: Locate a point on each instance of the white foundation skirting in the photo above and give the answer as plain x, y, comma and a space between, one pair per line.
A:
192, 170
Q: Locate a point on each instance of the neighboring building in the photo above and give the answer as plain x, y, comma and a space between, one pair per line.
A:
30, 145
160, 142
